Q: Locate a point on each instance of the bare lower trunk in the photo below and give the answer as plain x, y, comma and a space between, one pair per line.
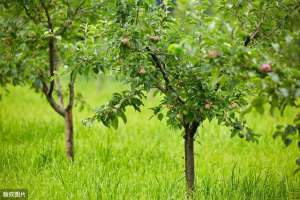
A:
69, 134
189, 161
190, 131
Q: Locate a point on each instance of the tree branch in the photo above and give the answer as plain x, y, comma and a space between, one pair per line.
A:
164, 73
253, 35
163, 90
52, 66
160, 66
49, 21
52, 51
51, 101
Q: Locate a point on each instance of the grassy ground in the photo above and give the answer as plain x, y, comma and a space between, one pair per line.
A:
142, 160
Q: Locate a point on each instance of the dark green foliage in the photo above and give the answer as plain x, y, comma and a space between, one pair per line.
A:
288, 134
25, 33
199, 76
108, 114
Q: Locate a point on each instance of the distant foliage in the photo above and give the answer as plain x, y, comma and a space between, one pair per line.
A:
273, 28
25, 33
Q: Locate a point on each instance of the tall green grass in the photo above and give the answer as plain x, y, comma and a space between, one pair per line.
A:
141, 160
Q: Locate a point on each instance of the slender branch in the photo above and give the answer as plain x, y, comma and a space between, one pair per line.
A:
49, 21
255, 33
51, 100
52, 66
164, 73
163, 90
160, 66
52, 53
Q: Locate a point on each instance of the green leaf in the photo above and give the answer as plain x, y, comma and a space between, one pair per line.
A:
123, 116
296, 171
287, 141
277, 134
96, 70
289, 129
105, 122
258, 103
115, 123
160, 116
234, 132
175, 49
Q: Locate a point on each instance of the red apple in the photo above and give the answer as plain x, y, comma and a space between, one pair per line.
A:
213, 54
233, 105
125, 41
208, 105
154, 38
142, 71
266, 68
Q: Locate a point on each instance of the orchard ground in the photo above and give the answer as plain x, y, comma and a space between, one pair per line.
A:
140, 160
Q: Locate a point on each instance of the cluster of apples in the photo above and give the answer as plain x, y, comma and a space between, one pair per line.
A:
125, 40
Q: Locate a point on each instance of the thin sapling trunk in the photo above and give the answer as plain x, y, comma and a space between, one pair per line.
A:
69, 134
190, 131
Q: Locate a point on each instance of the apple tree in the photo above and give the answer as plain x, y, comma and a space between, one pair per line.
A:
189, 57
46, 44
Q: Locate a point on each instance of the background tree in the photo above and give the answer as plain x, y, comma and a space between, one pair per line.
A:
272, 28
188, 57
47, 43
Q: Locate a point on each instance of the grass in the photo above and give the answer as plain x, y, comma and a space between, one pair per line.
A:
142, 160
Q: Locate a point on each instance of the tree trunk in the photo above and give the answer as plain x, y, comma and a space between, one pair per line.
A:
69, 134
189, 161
48, 90
190, 131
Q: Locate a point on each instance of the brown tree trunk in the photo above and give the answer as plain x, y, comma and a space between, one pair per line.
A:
69, 134
190, 131
189, 161
48, 89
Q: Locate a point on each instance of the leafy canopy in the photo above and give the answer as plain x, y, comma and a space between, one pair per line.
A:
188, 55
26, 28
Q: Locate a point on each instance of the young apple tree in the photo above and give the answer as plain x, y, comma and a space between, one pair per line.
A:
42, 43
189, 57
